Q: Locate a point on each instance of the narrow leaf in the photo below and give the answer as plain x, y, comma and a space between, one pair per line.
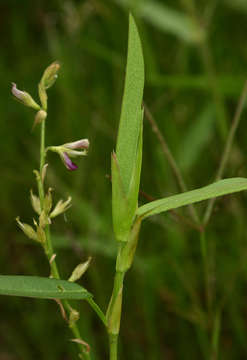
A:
41, 288
129, 127
219, 188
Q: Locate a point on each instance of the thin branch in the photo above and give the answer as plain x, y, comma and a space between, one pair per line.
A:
172, 162
227, 149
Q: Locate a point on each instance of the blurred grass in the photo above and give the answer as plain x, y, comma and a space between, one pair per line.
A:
165, 310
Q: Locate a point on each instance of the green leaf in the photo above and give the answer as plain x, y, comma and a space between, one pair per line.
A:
219, 188
124, 207
41, 288
167, 19
130, 121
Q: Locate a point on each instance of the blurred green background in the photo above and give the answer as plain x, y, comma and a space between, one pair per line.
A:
196, 59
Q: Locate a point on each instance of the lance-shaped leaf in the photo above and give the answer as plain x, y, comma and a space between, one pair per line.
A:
124, 206
41, 288
219, 188
126, 164
130, 120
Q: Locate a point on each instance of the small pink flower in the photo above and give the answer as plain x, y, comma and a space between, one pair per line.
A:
72, 149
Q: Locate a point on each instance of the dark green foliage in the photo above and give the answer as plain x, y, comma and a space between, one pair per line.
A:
166, 311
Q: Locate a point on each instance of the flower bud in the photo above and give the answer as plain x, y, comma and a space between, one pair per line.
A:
39, 117
50, 75
24, 97
27, 229
61, 207
35, 202
48, 202
79, 270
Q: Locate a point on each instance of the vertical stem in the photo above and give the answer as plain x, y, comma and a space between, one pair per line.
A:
114, 313
113, 343
228, 147
42, 162
171, 160
49, 248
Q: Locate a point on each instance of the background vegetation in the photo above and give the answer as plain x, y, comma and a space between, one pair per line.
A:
196, 58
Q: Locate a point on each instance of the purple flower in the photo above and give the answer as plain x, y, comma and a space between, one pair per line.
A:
67, 162
72, 149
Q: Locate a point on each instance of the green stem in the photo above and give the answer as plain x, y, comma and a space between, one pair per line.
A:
42, 162
113, 343
114, 313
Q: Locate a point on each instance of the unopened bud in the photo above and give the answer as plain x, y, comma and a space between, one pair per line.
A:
24, 97
48, 202
79, 270
50, 75
39, 117
27, 229
61, 207
35, 202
